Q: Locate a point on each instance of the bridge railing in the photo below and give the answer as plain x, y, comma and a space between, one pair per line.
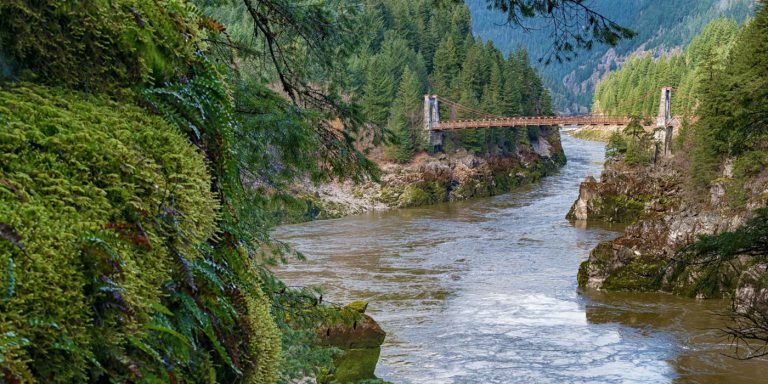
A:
529, 121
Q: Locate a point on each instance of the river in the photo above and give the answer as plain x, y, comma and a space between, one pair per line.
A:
484, 291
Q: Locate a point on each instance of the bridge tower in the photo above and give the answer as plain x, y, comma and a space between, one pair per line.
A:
664, 127
432, 116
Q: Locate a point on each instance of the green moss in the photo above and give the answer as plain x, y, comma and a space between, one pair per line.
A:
358, 364
640, 274
414, 196
600, 256
583, 276
358, 306
109, 205
623, 209
615, 209
390, 195
99, 45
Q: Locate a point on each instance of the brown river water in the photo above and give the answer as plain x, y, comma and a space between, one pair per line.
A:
484, 291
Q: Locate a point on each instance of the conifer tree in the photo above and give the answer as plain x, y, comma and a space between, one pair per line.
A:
405, 118
446, 66
378, 92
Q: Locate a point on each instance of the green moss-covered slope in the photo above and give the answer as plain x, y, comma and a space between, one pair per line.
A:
97, 45
101, 207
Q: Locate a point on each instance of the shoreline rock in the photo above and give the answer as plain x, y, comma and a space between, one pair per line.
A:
431, 179
663, 219
359, 337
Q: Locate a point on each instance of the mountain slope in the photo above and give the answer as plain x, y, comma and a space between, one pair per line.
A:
662, 28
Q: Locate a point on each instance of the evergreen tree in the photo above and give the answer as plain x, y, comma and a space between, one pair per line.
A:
405, 118
446, 67
378, 92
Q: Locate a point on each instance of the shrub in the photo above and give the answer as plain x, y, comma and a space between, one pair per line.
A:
617, 145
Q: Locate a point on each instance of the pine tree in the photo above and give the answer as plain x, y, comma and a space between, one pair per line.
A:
405, 118
377, 92
634, 129
446, 67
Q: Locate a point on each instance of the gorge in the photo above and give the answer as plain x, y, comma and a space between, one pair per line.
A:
383, 191
484, 291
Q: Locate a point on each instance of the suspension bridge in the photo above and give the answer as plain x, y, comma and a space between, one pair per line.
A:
664, 122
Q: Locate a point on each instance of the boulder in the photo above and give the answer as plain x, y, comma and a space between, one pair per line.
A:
359, 337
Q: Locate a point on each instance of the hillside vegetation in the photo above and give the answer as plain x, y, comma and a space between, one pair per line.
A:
139, 145
699, 216
662, 27
635, 89
410, 48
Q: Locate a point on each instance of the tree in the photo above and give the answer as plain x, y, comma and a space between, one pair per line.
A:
446, 66
378, 91
405, 118
634, 129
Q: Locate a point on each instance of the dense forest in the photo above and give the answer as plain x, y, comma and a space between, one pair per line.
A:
719, 90
410, 48
634, 90
661, 27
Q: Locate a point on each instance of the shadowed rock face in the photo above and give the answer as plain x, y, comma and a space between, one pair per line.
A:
359, 337
752, 291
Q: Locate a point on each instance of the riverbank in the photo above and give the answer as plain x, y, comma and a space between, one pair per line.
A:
483, 291
600, 133
454, 175
667, 216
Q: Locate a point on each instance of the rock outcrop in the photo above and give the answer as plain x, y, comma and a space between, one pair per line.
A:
359, 337
664, 219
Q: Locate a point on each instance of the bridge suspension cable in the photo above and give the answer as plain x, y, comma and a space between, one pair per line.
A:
467, 109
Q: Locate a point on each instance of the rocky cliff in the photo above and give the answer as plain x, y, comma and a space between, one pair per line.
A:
430, 179
667, 218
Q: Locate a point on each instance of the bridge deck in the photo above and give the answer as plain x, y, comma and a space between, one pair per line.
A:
449, 125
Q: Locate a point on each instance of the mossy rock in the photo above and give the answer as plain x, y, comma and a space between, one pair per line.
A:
104, 46
353, 330
583, 275
359, 337
640, 274
415, 196
358, 306
622, 209
356, 364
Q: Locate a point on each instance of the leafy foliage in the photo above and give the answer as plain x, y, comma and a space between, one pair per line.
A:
110, 204
616, 146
